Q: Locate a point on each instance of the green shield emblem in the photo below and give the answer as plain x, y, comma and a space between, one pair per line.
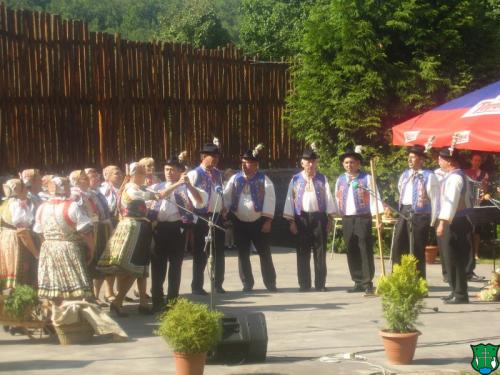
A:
485, 359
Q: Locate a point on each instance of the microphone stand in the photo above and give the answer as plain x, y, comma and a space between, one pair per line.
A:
408, 218
209, 241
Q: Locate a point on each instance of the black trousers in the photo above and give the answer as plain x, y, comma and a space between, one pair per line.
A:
469, 267
169, 248
200, 256
454, 245
246, 233
421, 226
357, 233
311, 238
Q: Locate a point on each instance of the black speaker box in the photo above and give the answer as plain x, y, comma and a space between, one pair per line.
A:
244, 340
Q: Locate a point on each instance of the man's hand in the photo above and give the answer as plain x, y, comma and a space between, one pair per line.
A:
184, 179
440, 228
293, 228
266, 227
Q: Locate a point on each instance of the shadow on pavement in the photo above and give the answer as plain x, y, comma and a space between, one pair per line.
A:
440, 361
41, 364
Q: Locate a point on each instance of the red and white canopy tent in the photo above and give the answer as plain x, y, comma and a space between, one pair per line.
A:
471, 122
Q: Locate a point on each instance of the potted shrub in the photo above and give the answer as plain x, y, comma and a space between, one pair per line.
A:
402, 295
431, 250
191, 329
19, 304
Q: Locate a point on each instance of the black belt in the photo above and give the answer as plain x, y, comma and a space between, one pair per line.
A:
177, 222
368, 216
315, 214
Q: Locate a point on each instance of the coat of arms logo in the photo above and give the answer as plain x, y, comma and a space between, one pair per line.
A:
485, 360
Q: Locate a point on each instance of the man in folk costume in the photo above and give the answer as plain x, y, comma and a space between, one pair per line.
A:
356, 204
309, 207
251, 200
169, 231
454, 228
418, 198
209, 179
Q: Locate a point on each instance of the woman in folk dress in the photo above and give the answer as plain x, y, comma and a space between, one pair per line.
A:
67, 248
127, 254
18, 252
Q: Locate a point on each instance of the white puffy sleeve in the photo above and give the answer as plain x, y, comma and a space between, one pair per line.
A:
433, 192
204, 198
38, 227
269, 199
21, 213
375, 200
288, 211
77, 214
331, 204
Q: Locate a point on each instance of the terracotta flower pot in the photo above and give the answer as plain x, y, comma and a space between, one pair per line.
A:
430, 254
399, 347
189, 364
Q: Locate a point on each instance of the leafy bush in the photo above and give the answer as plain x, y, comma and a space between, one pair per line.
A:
402, 295
190, 327
21, 301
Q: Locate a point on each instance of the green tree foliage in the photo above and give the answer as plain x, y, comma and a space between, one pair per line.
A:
365, 65
229, 14
272, 28
27, 4
195, 22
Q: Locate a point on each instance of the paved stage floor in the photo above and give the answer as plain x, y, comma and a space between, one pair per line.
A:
302, 328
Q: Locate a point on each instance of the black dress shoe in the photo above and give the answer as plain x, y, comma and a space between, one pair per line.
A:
303, 289
457, 301
321, 289
272, 289
200, 292
475, 278
219, 289
247, 289
356, 289
448, 297
369, 292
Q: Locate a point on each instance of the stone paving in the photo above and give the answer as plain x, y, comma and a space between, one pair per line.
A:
302, 328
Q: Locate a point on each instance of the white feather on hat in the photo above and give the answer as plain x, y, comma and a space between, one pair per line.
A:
358, 149
216, 142
428, 144
132, 168
182, 156
257, 149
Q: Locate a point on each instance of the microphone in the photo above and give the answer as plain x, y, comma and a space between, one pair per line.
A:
355, 185
218, 189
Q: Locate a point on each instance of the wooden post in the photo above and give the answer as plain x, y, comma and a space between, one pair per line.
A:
377, 217
101, 139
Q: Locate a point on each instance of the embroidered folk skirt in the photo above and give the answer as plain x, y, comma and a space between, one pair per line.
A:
62, 271
17, 264
102, 234
129, 249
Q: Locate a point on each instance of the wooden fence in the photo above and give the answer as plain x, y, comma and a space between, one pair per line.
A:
72, 98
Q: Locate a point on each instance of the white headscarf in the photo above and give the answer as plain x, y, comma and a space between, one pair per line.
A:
10, 187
